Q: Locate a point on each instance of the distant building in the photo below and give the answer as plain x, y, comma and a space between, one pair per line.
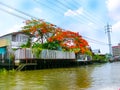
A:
116, 50
96, 51
11, 41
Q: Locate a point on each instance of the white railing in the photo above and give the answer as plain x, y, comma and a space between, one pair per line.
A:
17, 44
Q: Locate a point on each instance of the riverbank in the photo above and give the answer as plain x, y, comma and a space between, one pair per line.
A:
45, 64
49, 64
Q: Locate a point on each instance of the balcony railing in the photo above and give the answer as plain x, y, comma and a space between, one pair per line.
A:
17, 44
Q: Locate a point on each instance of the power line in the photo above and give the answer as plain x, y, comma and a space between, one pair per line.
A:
96, 18
13, 14
58, 11
18, 10
68, 7
97, 43
80, 19
24, 12
52, 9
84, 17
93, 40
30, 16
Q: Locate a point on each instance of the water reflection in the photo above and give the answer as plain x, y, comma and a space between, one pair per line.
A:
91, 77
106, 77
51, 79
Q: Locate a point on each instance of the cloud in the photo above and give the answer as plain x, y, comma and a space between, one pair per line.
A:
14, 28
113, 4
115, 34
116, 26
37, 10
113, 7
74, 12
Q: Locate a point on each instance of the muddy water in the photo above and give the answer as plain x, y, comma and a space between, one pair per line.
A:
91, 77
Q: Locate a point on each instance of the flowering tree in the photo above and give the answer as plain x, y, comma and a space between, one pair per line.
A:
40, 29
70, 41
53, 37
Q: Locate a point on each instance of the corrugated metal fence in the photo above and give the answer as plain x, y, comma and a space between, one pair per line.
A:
45, 54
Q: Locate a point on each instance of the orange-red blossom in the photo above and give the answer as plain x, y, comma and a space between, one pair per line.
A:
67, 39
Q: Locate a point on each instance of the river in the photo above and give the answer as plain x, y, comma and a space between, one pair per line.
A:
91, 77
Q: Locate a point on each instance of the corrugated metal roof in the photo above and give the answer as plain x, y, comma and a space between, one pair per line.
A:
14, 33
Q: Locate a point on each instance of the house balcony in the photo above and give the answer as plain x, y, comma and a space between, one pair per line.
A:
17, 44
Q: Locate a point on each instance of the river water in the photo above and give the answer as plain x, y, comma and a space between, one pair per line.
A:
90, 77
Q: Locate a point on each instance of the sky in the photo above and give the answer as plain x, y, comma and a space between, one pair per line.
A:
88, 17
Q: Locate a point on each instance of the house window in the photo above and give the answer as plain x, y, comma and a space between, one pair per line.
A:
13, 37
23, 38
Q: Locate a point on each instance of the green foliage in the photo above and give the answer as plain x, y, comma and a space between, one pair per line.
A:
89, 53
100, 58
14, 49
23, 46
12, 56
36, 49
95, 57
12, 71
3, 71
27, 45
51, 45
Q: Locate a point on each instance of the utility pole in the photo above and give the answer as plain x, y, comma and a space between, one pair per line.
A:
108, 31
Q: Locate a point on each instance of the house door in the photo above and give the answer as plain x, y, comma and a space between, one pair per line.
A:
3, 52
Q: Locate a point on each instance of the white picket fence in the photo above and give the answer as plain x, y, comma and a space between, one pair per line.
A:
45, 54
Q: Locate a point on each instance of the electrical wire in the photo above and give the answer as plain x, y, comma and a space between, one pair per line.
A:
98, 42
78, 19
3, 4
84, 17
30, 16
13, 14
94, 17
52, 9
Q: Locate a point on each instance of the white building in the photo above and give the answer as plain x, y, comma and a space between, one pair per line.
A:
12, 41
